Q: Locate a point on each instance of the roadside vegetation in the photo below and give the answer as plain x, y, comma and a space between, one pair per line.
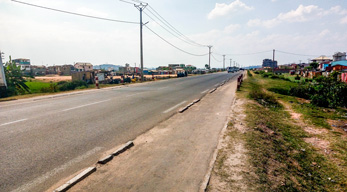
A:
294, 143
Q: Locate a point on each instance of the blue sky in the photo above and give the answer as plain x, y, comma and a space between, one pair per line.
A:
233, 27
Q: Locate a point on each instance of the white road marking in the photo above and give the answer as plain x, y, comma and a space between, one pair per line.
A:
44, 177
13, 122
86, 105
205, 91
163, 88
133, 94
174, 107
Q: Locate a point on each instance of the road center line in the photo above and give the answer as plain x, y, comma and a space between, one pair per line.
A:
205, 91
13, 122
86, 105
174, 107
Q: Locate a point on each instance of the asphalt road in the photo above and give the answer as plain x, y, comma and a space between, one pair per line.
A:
43, 141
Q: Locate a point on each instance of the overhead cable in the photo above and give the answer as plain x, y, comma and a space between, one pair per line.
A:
179, 37
72, 13
237, 54
296, 54
174, 45
215, 58
170, 26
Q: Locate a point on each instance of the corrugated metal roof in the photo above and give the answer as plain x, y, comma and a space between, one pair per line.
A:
343, 63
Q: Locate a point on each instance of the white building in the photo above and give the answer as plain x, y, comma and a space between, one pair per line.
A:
79, 66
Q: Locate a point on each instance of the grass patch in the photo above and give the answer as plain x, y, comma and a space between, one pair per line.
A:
283, 160
37, 86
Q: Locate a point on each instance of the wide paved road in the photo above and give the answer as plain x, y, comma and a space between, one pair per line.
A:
43, 141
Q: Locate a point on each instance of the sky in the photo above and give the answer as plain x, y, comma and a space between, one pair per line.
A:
246, 31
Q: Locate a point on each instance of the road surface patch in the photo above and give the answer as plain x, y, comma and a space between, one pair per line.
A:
76, 179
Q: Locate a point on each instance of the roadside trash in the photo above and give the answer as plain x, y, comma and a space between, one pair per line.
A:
303, 149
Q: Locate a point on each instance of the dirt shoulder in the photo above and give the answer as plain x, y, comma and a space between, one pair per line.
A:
232, 170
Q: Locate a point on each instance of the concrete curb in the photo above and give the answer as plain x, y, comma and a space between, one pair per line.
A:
122, 149
76, 179
105, 159
213, 90
183, 109
189, 105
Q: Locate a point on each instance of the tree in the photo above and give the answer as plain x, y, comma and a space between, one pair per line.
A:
15, 81
207, 66
314, 65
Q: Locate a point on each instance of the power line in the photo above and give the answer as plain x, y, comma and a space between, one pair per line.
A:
173, 28
240, 54
172, 33
174, 45
215, 58
296, 54
72, 13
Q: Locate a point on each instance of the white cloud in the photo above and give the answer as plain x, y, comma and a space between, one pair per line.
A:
324, 33
231, 28
301, 14
343, 20
222, 9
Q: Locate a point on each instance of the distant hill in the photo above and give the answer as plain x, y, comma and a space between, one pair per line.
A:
107, 66
253, 67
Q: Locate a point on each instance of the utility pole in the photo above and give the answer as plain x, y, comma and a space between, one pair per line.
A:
230, 62
209, 56
273, 61
141, 7
223, 62
2, 72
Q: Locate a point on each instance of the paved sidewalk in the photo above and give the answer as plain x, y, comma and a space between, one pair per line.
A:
173, 156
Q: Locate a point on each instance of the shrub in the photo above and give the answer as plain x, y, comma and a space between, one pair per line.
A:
249, 74
297, 77
264, 99
323, 92
66, 86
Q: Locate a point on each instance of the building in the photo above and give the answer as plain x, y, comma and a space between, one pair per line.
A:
38, 70
322, 59
339, 56
80, 66
268, 63
65, 69
24, 65
339, 65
